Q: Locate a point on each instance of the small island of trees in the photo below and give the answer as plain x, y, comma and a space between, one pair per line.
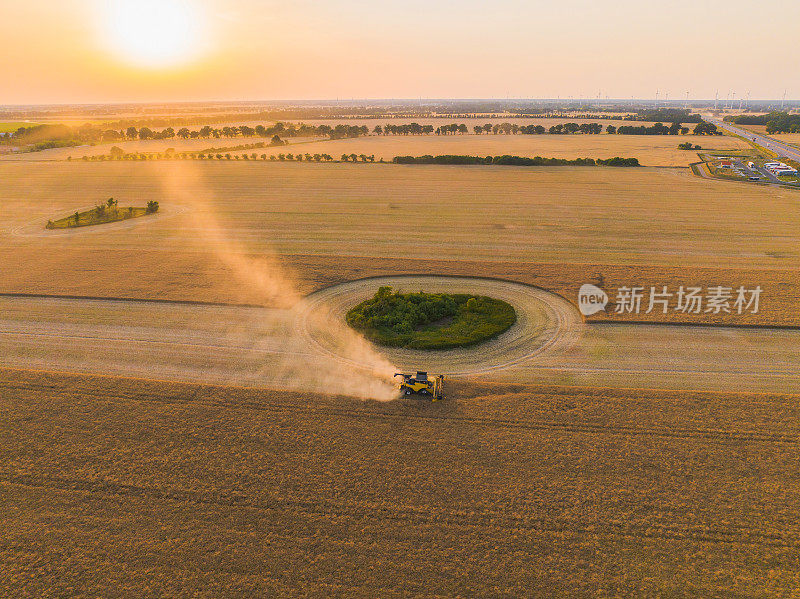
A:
430, 320
107, 212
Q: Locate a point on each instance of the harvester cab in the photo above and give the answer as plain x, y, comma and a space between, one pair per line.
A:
421, 384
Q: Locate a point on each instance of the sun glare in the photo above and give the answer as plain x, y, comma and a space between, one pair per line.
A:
153, 33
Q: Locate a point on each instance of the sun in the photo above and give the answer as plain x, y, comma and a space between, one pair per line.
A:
153, 33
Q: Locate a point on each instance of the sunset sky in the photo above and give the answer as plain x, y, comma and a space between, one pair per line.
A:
93, 51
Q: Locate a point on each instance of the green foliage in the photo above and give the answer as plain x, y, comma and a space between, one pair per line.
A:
508, 160
617, 161
681, 115
50, 144
781, 122
749, 119
152, 206
776, 122
107, 212
430, 321
706, 129
657, 129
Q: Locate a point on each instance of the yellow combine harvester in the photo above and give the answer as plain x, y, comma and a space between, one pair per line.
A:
420, 384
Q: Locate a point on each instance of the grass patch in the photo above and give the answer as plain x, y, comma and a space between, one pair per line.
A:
104, 213
430, 320
12, 126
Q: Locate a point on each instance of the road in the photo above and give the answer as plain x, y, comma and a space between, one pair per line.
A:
781, 149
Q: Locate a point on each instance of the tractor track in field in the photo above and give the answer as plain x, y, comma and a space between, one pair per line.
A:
546, 322
531, 523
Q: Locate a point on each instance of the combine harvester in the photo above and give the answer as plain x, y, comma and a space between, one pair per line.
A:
420, 384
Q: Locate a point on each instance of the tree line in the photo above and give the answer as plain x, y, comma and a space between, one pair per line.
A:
776, 122
508, 160
119, 154
92, 133
783, 123
41, 137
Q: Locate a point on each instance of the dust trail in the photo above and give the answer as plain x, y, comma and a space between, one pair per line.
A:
274, 286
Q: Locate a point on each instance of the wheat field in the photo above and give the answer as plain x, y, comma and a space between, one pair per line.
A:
116, 487
651, 150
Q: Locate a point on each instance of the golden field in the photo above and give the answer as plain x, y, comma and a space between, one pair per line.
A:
547, 214
651, 150
115, 487
269, 348
553, 227
642, 460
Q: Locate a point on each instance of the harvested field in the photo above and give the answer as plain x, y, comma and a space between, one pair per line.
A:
566, 214
281, 348
651, 150
553, 227
566, 460
122, 487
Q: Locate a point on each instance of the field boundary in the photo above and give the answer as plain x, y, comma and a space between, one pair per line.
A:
98, 298
712, 325
707, 325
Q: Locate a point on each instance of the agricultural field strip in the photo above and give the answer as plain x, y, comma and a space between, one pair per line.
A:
369, 510
226, 331
189, 344
651, 150
174, 343
718, 435
496, 214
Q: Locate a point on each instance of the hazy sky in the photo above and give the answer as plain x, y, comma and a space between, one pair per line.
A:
65, 51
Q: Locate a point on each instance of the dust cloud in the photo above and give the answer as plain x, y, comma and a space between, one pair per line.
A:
274, 286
